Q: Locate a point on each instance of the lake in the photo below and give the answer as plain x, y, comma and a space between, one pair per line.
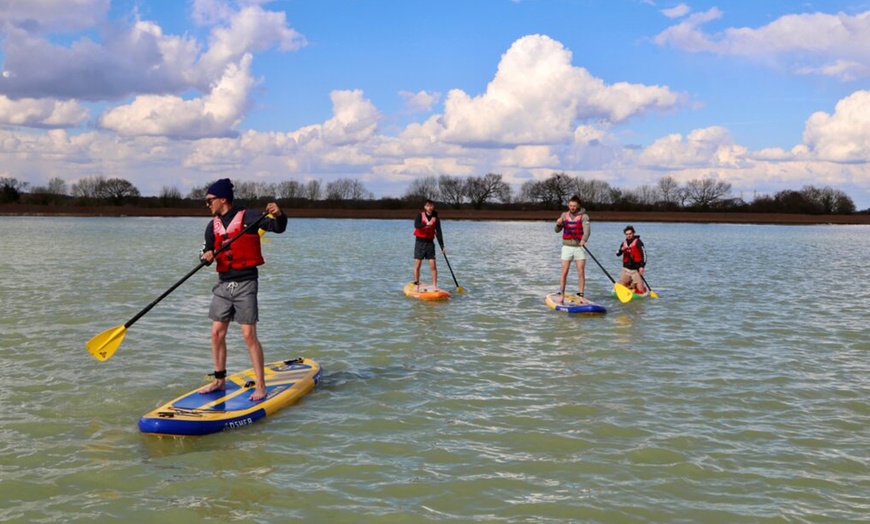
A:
739, 395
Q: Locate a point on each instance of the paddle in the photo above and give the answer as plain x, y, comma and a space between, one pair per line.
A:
652, 294
622, 293
104, 345
459, 289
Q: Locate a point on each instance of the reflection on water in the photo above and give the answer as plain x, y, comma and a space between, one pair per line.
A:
738, 396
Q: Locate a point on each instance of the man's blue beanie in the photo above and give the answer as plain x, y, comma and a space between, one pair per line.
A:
223, 188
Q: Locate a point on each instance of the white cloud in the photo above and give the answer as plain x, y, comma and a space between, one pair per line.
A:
136, 58
419, 102
215, 114
355, 120
843, 136
49, 15
710, 147
678, 11
537, 96
818, 43
41, 112
249, 30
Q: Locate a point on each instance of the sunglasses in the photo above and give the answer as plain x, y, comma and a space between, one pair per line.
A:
209, 200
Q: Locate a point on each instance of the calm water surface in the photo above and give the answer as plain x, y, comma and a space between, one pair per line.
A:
740, 395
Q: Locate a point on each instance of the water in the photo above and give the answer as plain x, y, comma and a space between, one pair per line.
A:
740, 395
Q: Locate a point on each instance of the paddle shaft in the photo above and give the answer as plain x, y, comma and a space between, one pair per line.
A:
599, 264
190, 274
651, 292
448, 266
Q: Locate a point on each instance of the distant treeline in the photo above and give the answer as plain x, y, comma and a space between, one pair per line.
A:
477, 192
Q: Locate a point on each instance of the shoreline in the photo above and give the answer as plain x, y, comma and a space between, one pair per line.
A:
454, 214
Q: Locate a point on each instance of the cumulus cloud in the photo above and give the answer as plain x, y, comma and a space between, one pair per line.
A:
814, 43
251, 29
215, 114
355, 118
843, 136
419, 102
537, 96
41, 112
709, 147
52, 15
135, 58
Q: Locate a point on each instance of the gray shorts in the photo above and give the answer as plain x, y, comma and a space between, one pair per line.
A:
234, 301
424, 249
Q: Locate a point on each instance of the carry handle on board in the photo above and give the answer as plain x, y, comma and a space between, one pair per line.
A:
104, 345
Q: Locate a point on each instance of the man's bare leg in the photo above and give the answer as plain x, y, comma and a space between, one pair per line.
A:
218, 355
249, 332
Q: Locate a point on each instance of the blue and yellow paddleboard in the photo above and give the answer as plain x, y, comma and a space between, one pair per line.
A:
198, 413
574, 305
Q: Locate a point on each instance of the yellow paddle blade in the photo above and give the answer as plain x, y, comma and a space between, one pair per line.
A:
104, 345
262, 232
653, 294
622, 293
460, 290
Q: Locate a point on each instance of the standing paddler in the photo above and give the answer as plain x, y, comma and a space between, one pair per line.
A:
234, 297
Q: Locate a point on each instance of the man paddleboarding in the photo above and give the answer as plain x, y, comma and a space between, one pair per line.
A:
234, 297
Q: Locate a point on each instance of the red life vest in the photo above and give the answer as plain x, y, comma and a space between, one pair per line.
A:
243, 252
631, 254
572, 229
427, 232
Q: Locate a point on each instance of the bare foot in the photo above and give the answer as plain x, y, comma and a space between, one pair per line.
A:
259, 394
219, 384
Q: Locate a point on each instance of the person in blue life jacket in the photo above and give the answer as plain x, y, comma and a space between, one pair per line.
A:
575, 229
234, 297
427, 227
633, 255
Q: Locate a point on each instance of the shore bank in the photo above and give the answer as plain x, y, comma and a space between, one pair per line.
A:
450, 214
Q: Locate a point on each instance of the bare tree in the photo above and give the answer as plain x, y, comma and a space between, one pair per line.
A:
422, 189
199, 193
169, 196
703, 192
481, 190
593, 191
88, 187
828, 200
289, 189
117, 191
56, 186
669, 188
313, 190
647, 195
11, 189
347, 189
451, 190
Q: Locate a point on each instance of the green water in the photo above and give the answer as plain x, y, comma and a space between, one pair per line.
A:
740, 395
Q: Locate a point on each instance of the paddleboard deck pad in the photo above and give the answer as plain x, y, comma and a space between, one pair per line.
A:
425, 292
198, 413
574, 305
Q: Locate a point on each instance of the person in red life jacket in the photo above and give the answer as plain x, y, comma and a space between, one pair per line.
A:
633, 255
575, 229
427, 227
234, 297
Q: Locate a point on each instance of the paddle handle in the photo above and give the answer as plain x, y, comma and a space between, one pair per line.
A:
191, 273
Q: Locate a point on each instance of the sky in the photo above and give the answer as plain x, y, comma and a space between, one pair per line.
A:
764, 95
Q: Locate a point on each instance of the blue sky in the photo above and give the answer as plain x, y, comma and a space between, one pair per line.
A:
169, 93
